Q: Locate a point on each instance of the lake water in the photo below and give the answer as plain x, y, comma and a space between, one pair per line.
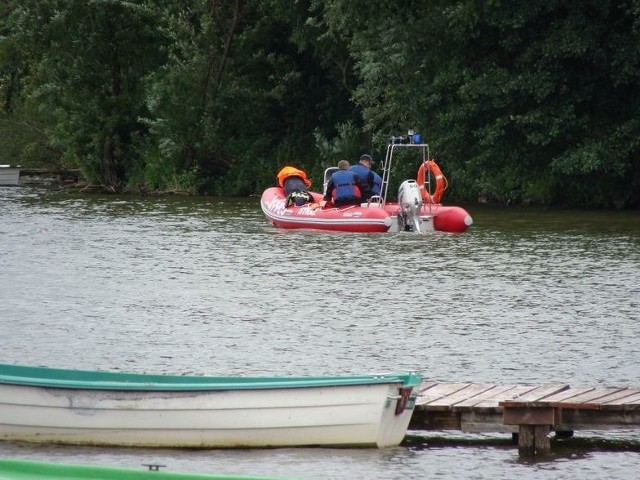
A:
202, 285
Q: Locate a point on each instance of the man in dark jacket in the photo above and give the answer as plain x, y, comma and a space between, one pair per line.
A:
345, 183
370, 182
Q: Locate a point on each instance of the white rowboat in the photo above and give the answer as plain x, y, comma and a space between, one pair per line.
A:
79, 407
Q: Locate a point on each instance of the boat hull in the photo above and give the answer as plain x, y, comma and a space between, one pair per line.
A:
349, 218
361, 411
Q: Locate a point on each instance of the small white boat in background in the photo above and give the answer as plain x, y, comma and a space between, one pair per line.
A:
9, 175
79, 407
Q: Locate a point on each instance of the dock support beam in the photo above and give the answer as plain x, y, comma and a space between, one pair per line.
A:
534, 426
534, 441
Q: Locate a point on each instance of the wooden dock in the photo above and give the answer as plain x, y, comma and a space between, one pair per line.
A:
49, 176
529, 413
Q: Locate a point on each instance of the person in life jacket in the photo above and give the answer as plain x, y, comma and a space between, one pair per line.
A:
342, 187
370, 182
295, 184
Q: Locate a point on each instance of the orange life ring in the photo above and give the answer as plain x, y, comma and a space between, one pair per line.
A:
441, 181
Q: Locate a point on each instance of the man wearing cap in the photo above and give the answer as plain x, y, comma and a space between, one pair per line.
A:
370, 182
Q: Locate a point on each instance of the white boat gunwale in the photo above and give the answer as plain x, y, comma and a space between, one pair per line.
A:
103, 380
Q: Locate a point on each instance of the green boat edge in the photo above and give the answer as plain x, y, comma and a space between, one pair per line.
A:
12, 469
112, 380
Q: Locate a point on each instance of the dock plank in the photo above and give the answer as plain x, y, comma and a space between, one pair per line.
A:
622, 402
538, 394
631, 400
424, 386
470, 391
513, 393
567, 395
598, 395
438, 391
623, 393
491, 396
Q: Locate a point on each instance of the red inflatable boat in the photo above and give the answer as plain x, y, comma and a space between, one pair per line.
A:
418, 208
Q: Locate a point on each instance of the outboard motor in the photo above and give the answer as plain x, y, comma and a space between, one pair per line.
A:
410, 202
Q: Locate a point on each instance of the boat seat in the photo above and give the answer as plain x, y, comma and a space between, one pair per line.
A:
327, 176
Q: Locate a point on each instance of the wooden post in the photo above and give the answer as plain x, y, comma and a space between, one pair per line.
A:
534, 426
533, 440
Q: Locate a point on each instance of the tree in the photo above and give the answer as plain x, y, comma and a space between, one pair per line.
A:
86, 64
541, 100
522, 102
20, 122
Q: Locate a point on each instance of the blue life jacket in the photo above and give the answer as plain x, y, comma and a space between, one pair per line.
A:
370, 182
376, 189
346, 185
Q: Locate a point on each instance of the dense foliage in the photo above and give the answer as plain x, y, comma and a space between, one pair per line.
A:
523, 102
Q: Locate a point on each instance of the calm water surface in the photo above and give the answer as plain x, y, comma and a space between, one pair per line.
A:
201, 285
